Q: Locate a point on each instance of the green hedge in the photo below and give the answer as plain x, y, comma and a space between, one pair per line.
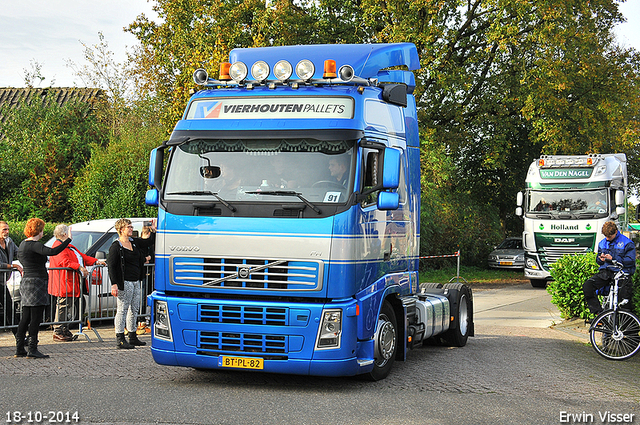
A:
569, 273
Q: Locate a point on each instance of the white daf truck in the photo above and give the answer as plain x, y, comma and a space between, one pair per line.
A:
566, 201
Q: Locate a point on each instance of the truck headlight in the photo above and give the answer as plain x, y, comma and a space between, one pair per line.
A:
330, 332
532, 264
162, 323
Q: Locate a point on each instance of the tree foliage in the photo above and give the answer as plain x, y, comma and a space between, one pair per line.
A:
114, 182
43, 147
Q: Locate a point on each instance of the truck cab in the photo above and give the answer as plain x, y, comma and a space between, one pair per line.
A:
566, 201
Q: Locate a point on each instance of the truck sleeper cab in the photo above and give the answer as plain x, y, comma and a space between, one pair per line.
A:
288, 219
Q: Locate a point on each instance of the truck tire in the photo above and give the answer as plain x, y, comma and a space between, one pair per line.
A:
386, 343
538, 283
461, 325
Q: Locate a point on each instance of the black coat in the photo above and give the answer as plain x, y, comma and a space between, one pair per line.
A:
116, 263
5, 263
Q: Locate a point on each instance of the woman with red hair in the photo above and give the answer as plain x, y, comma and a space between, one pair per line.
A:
34, 285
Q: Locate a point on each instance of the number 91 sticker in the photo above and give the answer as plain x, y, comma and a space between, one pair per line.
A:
332, 197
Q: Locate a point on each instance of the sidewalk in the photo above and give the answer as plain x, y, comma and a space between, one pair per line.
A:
89, 337
574, 327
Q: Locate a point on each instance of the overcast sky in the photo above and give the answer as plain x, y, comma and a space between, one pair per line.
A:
50, 31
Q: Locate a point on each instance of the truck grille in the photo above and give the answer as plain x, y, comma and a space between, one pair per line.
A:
247, 315
550, 255
237, 342
247, 273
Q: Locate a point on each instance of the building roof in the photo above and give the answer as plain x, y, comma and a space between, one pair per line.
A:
15, 97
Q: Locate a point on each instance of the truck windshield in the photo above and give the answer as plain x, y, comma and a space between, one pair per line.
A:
580, 204
238, 170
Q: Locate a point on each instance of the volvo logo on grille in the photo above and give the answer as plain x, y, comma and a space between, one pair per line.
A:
184, 248
244, 272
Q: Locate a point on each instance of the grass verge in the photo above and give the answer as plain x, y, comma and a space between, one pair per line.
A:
475, 277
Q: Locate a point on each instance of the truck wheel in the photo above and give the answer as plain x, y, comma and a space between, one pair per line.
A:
538, 283
462, 312
386, 343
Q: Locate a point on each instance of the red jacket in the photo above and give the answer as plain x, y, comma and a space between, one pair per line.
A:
65, 283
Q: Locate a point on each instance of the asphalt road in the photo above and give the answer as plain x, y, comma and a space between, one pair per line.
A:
516, 370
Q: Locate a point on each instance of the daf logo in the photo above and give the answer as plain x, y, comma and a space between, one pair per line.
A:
184, 248
244, 272
564, 240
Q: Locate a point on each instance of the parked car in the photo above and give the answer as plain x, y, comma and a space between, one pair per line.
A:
94, 239
508, 255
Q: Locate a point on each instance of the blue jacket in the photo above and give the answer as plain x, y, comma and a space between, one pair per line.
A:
622, 249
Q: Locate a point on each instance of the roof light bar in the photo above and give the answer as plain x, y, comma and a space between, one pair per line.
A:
236, 73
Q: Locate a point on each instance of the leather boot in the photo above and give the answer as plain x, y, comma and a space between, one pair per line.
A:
121, 342
133, 340
20, 351
33, 352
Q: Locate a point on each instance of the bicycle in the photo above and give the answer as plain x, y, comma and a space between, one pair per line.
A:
615, 333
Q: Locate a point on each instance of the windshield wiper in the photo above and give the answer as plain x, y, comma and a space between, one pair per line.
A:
287, 193
206, 192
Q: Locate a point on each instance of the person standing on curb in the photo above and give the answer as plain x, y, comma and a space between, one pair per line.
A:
8, 252
65, 284
125, 261
34, 285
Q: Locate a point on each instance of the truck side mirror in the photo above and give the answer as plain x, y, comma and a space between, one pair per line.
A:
391, 169
388, 201
519, 211
156, 160
519, 199
152, 197
619, 197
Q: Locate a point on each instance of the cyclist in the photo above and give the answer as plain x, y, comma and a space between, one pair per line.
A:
614, 246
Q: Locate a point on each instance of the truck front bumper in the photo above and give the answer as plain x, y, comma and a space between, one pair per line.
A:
536, 274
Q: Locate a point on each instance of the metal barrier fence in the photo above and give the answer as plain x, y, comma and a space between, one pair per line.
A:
9, 317
457, 277
85, 304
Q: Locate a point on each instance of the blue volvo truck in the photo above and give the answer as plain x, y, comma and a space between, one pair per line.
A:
288, 203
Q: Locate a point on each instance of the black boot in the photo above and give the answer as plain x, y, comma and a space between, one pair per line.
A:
20, 351
133, 340
33, 349
122, 342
